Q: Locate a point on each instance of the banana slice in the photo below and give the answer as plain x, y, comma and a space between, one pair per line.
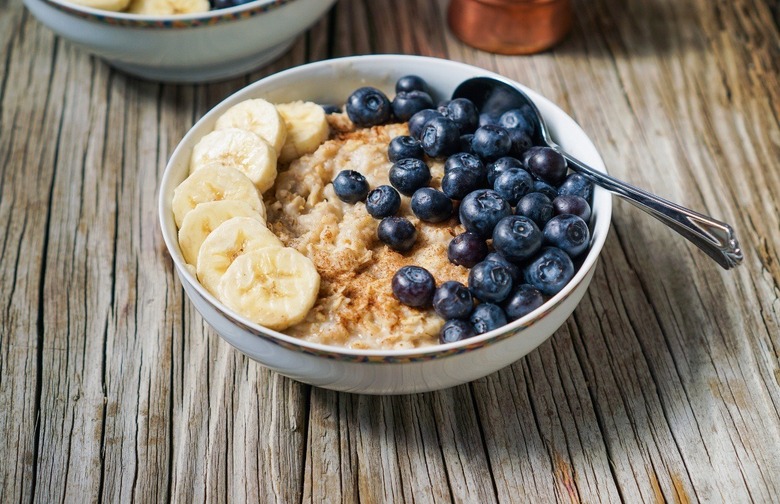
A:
239, 149
258, 116
274, 287
108, 5
168, 7
205, 218
214, 183
307, 128
228, 241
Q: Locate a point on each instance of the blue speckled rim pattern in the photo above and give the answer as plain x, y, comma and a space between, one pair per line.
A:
209, 18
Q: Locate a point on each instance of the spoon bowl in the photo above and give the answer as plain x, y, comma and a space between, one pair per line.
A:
493, 96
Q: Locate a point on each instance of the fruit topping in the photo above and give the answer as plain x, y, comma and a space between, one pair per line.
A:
481, 210
467, 249
350, 186
383, 201
408, 175
368, 106
414, 286
398, 233
430, 205
452, 300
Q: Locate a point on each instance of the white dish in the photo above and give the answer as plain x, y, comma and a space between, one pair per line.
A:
390, 371
185, 48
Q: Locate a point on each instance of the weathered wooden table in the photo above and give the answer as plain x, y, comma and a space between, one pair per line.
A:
664, 385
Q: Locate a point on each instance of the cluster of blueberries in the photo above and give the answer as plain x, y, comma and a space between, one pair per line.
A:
491, 168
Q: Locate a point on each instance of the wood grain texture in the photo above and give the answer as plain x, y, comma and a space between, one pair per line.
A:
664, 386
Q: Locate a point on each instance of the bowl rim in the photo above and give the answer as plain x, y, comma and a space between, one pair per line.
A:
208, 18
601, 224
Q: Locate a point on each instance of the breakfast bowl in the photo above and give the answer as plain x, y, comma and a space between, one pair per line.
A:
381, 371
183, 48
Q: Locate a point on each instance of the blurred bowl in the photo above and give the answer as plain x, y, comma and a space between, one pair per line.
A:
184, 48
388, 371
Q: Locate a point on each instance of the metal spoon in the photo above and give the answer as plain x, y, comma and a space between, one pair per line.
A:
714, 237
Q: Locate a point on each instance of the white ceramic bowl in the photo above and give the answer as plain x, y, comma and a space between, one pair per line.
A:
184, 48
372, 371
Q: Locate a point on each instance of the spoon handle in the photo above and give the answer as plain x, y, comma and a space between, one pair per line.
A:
714, 237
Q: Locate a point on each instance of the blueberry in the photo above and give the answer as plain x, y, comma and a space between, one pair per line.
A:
430, 205
407, 103
490, 282
330, 108
413, 286
549, 271
455, 330
465, 142
350, 186
411, 83
486, 119
383, 201
491, 142
458, 183
463, 112
522, 301
517, 238
531, 118
530, 152
397, 233
514, 271
501, 165
486, 317
441, 107
440, 137
418, 121
513, 184
576, 185
465, 161
548, 165
520, 142
537, 207
453, 300
515, 118
481, 210
408, 175
467, 249
368, 106
402, 147
570, 204
567, 232
543, 187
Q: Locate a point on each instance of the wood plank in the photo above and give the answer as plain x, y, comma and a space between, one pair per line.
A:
663, 386
77, 287
29, 111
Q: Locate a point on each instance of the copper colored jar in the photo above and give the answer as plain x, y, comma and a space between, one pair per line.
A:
510, 26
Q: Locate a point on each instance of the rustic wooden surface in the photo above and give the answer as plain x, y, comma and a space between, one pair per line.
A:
663, 386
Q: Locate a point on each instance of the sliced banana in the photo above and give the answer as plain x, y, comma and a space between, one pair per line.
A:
258, 116
205, 218
274, 287
213, 183
307, 128
239, 149
226, 242
109, 5
168, 7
